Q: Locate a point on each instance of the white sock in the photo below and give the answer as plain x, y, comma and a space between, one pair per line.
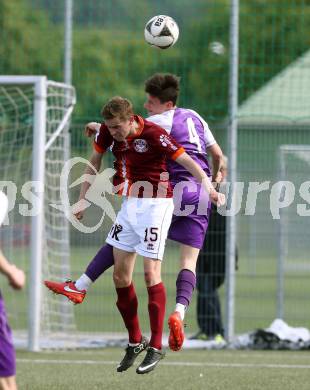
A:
83, 282
133, 344
181, 309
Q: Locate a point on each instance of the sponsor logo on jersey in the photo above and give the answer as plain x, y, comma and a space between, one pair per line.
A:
165, 141
140, 145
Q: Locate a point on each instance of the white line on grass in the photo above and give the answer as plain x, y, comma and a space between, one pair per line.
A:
191, 364
271, 355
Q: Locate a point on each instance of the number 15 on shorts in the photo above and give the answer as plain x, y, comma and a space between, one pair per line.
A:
151, 234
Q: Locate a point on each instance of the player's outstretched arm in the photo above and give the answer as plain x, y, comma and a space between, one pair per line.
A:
188, 163
95, 160
16, 276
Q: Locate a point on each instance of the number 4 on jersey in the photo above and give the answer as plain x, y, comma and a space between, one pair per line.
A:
192, 133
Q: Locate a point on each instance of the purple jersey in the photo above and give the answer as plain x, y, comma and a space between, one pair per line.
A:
7, 353
193, 133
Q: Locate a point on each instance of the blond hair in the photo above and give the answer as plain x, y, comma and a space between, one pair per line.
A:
117, 107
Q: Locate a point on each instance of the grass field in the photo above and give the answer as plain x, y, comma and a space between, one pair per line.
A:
186, 370
255, 296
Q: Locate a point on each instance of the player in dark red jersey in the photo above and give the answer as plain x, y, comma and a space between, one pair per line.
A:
141, 149
191, 131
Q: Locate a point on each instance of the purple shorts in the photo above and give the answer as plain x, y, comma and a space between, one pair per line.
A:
7, 352
190, 229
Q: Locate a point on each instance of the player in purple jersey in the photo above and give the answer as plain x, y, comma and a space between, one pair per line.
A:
193, 133
187, 227
16, 278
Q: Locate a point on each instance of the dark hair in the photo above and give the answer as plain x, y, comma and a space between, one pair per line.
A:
164, 86
117, 107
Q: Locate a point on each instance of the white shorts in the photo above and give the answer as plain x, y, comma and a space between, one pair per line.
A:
142, 226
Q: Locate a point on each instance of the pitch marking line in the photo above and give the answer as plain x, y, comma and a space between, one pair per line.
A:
188, 364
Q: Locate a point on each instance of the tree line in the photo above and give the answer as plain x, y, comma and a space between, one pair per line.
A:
110, 56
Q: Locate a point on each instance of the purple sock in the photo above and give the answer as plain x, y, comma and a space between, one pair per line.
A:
185, 283
101, 262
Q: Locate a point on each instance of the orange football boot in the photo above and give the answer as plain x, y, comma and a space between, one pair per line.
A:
176, 336
67, 289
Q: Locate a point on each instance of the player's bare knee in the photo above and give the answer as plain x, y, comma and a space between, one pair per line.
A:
151, 278
121, 280
148, 278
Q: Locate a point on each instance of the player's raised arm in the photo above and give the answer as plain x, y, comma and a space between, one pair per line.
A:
16, 276
95, 161
91, 129
102, 142
188, 163
217, 162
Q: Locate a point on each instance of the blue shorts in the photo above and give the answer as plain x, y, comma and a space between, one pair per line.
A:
7, 352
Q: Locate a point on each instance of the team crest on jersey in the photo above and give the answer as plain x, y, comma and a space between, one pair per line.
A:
140, 145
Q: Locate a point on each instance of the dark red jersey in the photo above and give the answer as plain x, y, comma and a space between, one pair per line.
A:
140, 158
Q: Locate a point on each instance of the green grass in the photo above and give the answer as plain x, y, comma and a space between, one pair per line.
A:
100, 301
186, 370
255, 295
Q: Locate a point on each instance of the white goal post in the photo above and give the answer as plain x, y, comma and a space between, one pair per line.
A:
294, 224
34, 118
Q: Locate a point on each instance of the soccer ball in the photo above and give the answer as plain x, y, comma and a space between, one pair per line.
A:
161, 31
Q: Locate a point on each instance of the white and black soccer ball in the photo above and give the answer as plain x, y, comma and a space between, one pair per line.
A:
161, 31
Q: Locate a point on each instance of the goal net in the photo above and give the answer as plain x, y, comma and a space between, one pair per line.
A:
34, 144
294, 227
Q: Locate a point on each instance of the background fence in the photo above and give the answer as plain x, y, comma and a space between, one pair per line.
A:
111, 58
